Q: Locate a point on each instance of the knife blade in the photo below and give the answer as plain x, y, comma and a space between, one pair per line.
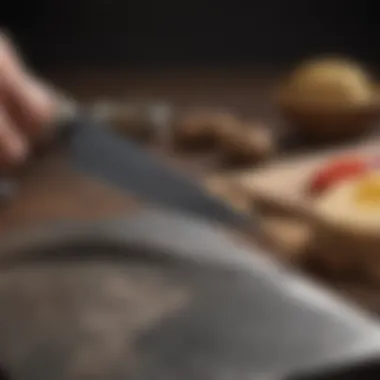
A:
255, 318
98, 151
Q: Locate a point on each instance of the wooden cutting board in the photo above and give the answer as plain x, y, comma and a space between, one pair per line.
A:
282, 183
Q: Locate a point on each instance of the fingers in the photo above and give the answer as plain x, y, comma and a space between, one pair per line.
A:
13, 145
31, 104
26, 106
10, 60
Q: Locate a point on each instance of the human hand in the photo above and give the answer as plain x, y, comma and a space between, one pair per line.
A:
27, 106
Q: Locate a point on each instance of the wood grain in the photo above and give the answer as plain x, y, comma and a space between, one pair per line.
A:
50, 190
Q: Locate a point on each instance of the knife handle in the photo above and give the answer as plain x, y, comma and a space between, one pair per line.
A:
68, 111
123, 117
63, 120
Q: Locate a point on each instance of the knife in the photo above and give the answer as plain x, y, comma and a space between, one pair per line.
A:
246, 316
96, 150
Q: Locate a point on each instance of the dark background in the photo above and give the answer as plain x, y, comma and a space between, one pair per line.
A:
82, 33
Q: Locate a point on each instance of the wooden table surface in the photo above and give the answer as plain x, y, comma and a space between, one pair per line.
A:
51, 190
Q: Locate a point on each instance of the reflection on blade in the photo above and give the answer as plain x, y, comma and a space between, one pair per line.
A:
102, 153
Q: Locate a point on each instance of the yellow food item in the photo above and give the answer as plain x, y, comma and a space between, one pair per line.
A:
329, 82
367, 192
329, 99
353, 204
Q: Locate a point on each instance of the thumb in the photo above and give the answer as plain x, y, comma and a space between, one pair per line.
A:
10, 60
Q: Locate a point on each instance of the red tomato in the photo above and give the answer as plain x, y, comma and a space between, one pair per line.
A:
336, 171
